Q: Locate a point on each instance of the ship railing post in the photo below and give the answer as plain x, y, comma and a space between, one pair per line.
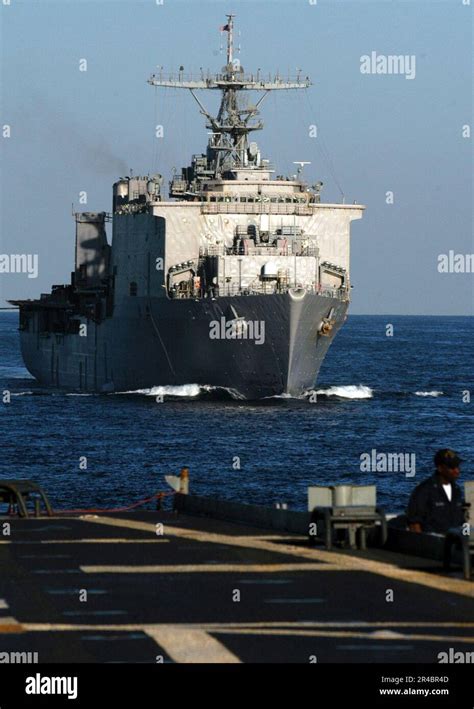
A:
183, 489
184, 481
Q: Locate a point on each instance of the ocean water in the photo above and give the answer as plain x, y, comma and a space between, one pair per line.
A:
400, 394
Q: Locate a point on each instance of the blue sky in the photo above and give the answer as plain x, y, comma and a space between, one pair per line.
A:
74, 131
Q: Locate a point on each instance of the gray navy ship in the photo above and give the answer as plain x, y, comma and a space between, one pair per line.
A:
237, 279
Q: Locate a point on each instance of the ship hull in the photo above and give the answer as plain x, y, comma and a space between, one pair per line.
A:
152, 342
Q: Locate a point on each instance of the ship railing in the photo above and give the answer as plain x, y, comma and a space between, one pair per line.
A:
270, 251
256, 208
263, 288
205, 79
236, 166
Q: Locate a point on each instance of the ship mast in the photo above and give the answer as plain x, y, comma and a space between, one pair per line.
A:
229, 28
228, 145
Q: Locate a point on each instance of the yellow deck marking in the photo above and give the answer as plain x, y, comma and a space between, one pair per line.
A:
10, 625
208, 568
213, 627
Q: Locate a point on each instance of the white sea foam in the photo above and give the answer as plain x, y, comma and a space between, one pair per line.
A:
351, 391
185, 390
188, 390
429, 393
285, 395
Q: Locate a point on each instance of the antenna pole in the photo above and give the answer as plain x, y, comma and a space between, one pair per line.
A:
230, 38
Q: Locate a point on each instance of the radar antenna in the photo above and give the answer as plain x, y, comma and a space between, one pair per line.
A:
228, 143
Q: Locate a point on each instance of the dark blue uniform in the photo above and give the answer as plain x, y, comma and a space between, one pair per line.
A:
430, 507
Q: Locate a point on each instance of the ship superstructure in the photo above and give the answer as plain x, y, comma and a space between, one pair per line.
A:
237, 279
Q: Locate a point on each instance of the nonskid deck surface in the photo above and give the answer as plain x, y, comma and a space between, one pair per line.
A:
203, 590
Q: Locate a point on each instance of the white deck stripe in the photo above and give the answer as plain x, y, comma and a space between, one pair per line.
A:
191, 646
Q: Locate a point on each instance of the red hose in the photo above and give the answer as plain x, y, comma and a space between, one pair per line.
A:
115, 509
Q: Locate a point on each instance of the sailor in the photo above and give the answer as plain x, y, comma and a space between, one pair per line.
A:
436, 504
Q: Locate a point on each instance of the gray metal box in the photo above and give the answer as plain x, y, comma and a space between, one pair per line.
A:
342, 496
